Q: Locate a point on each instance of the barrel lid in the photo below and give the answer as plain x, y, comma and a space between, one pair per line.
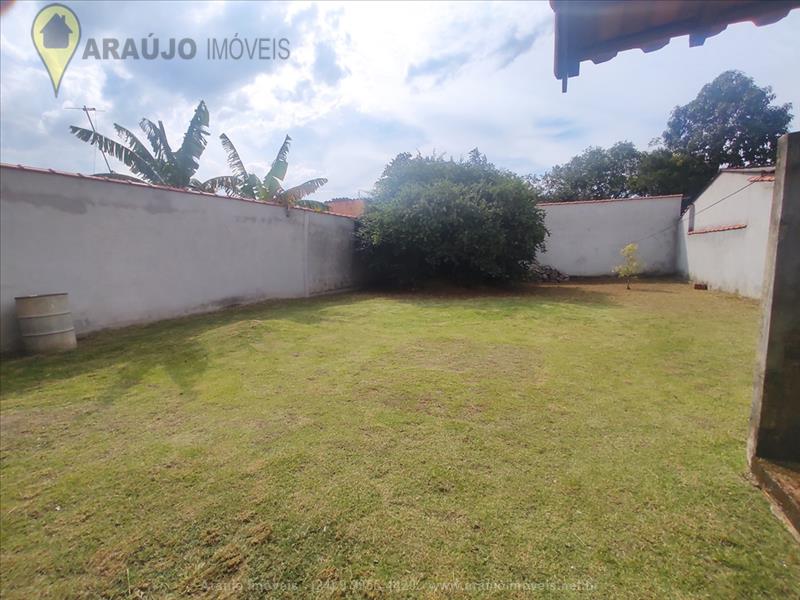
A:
40, 295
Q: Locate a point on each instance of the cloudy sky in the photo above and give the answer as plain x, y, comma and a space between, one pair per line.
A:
364, 82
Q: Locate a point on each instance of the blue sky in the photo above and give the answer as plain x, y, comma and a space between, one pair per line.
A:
364, 82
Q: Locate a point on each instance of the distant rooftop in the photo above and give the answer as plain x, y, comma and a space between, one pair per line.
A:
352, 207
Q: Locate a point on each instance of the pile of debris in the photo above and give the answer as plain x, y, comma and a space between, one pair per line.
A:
546, 274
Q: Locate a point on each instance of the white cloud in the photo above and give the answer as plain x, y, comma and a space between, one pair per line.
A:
368, 80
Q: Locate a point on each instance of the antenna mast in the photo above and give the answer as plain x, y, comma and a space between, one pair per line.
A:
86, 110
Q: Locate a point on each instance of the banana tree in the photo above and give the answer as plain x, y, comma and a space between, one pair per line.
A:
270, 188
161, 165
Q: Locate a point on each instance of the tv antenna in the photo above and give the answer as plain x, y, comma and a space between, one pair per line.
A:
87, 110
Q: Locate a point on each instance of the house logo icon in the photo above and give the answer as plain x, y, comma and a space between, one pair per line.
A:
56, 32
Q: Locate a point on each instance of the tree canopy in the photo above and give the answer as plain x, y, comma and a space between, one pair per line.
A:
661, 172
595, 173
462, 221
162, 165
732, 122
270, 188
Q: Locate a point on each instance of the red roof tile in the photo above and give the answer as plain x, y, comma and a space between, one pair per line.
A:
157, 187
716, 229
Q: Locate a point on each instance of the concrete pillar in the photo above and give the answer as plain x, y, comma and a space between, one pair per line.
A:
775, 415
306, 288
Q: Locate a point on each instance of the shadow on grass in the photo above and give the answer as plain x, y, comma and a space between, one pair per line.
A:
171, 344
133, 354
522, 295
184, 362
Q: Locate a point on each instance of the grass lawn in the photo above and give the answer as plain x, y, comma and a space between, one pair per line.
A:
581, 440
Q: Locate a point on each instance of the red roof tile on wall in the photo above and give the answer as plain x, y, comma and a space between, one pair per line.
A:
158, 187
716, 229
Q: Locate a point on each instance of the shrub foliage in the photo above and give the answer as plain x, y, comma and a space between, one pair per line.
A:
459, 221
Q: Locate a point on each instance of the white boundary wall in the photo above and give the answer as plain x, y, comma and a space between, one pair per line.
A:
727, 247
587, 236
130, 253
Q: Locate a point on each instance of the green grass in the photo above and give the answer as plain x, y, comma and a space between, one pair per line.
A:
558, 437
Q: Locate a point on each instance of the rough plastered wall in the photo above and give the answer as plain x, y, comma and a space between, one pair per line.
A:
587, 236
132, 254
727, 247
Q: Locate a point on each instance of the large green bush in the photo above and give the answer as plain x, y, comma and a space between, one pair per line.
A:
461, 221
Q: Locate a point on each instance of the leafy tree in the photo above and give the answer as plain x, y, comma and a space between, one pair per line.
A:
663, 172
270, 188
477, 158
632, 265
162, 165
593, 174
462, 221
731, 122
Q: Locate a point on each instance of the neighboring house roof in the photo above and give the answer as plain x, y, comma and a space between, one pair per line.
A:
353, 207
597, 31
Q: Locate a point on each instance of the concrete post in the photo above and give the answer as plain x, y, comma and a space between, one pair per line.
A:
775, 415
306, 288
